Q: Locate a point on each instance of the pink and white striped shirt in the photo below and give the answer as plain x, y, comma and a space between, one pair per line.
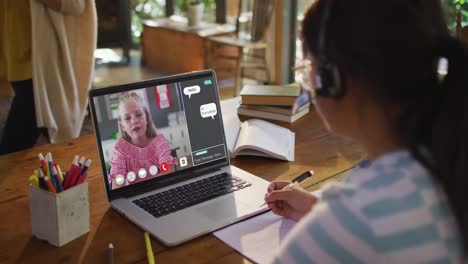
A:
127, 157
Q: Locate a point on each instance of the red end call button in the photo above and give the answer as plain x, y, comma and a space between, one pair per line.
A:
164, 167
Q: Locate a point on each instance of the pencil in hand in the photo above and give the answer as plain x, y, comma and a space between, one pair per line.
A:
296, 181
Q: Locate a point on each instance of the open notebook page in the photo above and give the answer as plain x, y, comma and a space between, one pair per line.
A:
231, 121
273, 139
259, 237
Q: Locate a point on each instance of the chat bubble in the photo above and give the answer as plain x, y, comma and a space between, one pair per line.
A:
208, 110
191, 90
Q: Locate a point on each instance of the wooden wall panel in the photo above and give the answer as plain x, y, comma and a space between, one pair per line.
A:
172, 51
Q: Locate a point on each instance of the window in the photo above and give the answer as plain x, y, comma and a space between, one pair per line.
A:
145, 9
302, 6
180, 8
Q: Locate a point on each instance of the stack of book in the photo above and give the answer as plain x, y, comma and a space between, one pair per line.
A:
275, 102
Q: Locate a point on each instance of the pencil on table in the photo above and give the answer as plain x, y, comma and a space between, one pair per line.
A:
149, 249
110, 254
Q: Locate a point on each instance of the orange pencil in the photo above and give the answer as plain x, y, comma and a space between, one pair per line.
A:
50, 185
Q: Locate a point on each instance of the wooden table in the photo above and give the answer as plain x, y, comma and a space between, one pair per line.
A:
170, 46
316, 149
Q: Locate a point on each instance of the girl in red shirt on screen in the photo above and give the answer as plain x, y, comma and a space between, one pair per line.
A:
140, 152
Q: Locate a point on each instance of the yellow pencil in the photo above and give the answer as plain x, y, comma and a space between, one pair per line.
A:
149, 249
33, 180
59, 172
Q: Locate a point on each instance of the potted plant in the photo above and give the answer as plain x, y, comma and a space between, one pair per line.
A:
195, 10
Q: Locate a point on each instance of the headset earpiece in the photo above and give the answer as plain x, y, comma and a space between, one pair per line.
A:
331, 81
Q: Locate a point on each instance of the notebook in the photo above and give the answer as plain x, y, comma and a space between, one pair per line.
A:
257, 137
259, 238
179, 184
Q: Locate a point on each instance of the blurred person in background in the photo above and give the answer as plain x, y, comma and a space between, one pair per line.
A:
47, 55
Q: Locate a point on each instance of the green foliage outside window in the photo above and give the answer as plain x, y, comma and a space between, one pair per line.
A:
182, 4
148, 9
181, 8
451, 8
145, 9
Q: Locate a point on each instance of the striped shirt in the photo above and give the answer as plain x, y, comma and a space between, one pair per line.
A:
390, 212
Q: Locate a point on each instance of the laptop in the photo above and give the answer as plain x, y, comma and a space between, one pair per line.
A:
183, 186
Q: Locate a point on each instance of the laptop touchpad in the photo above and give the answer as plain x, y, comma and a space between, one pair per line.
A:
223, 209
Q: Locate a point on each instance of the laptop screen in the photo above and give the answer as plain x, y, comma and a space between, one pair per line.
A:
155, 129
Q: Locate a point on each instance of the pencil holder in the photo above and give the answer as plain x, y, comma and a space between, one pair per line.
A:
59, 218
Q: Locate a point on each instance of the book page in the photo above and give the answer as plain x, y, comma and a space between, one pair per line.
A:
258, 238
259, 135
231, 121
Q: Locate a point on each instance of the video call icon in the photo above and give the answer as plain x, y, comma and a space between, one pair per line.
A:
119, 179
131, 176
164, 167
153, 170
183, 161
142, 173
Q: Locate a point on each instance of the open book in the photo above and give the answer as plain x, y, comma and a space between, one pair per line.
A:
255, 137
261, 138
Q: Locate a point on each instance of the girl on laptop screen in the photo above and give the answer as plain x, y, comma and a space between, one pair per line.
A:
140, 153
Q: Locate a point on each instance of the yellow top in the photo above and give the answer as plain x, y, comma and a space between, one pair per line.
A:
15, 40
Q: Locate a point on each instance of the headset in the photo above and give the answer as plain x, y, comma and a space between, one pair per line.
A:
330, 81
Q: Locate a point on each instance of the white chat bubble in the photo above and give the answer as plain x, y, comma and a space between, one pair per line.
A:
191, 90
208, 110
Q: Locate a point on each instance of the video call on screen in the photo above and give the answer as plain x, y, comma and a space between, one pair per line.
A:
187, 115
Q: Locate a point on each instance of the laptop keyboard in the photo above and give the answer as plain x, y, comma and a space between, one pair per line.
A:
184, 196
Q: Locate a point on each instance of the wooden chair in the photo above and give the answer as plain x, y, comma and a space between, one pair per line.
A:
243, 50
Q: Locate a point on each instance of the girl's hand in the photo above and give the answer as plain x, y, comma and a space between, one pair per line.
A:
292, 203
